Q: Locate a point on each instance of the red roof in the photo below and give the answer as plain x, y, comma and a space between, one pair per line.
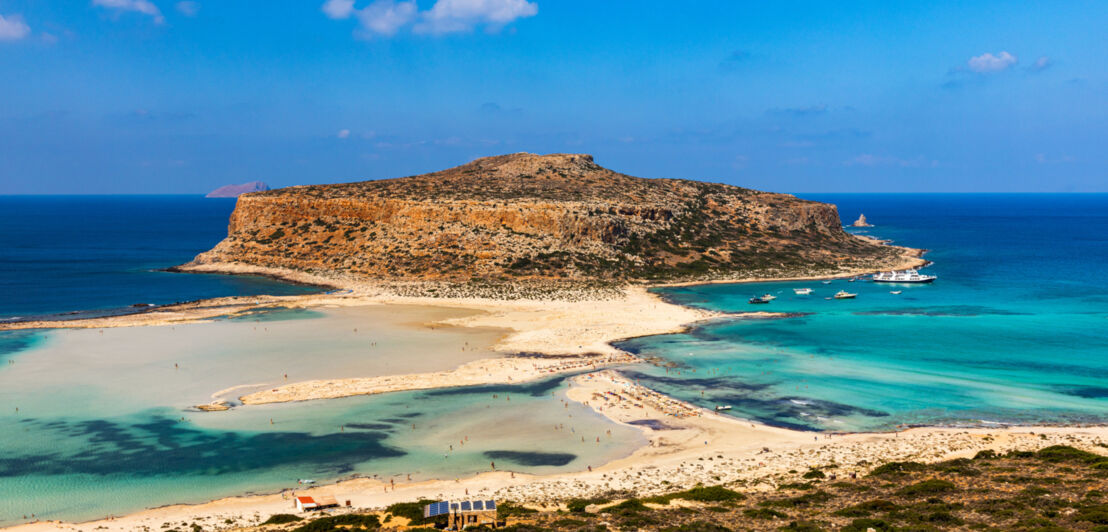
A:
305, 500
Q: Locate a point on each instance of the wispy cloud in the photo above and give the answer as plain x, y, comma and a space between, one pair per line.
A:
868, 159
139, 6
12, 28
988, 63
188, 8
1040, 64
343, 134
338, 9
452, 16
809, 110
387, 17
734, 61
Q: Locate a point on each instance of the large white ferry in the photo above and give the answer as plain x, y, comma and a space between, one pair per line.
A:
906, 276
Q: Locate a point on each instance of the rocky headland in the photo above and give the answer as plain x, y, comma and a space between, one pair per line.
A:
525, 218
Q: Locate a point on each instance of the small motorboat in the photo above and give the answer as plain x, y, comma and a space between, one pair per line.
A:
843, 294
305, 481
758, 300
802, 291
826, 282
721, 408
896, 292
769, 297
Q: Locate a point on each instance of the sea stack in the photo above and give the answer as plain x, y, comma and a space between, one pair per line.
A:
861, 222
234, 191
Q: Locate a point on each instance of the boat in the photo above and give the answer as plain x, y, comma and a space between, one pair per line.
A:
722, 408
843, 294
826, 282
903, 276
305, 481
802, 291
758, 300
769, 297
895, 292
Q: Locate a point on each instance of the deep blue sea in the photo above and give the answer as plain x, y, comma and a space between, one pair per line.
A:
1015, 329
62, 254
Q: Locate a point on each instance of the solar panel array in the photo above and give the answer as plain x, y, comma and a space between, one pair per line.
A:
436, 509
442, 508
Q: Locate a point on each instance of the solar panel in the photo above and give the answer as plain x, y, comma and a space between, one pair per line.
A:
436, 509
466, 506
453, 506
490, 505
478, 505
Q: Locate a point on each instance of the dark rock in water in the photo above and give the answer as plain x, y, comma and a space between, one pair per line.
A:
234, 191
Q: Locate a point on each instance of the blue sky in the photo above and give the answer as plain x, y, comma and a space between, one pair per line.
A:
162, 96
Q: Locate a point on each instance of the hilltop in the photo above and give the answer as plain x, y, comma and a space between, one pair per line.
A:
558, 217
234, 191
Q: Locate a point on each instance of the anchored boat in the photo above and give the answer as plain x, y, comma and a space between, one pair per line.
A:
905, 276
802, 291
758, 300
843, 294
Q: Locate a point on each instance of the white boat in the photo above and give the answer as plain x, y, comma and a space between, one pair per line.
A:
769, 297
722, 408
895, 292
826, 282
905, 276
843, 294
802, 291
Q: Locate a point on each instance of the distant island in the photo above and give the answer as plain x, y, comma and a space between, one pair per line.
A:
234, 191
540, 218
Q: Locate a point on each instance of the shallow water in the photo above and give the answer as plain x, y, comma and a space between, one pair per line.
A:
104, 427
1014, 331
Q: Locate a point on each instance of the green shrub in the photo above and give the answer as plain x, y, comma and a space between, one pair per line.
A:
815, 474
280, 519
413, 511
927, 487
897, 468
764, 513
801, 526
700, 494
867, 508
341, 522
861, 525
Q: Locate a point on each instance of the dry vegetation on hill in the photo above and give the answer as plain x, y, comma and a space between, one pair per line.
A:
1055, 489
541, 217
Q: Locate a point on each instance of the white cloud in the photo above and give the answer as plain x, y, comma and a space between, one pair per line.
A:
12, 28
449, 16
338, 9
343, 133
387, 17
141, 6
988, 63
187, 8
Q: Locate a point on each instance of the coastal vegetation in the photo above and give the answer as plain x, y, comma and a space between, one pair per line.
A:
1054, 489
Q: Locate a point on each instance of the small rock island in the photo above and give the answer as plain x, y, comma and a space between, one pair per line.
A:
234, 191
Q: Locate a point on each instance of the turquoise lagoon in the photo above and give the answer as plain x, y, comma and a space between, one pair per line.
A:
101, 423
1015, 330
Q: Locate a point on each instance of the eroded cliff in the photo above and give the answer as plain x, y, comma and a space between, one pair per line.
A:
540, 217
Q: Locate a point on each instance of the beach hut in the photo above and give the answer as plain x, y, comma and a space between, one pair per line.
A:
464, 514
305, 503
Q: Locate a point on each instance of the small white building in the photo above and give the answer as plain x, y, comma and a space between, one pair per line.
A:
305, 503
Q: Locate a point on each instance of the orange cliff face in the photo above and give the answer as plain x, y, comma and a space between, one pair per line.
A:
539, 217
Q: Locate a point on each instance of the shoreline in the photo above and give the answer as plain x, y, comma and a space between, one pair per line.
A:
739, 453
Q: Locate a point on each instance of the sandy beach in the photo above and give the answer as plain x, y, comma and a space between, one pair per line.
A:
688, 446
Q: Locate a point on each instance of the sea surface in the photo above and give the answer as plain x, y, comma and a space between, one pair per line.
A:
1015, 329
98, 255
